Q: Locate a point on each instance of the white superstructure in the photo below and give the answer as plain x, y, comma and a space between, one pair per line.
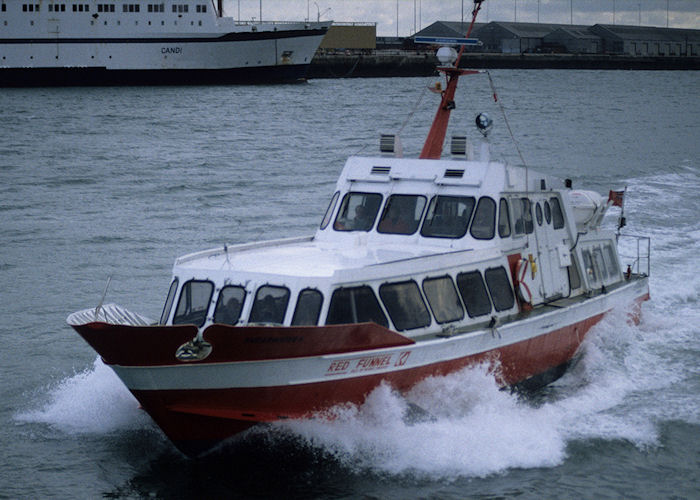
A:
63, 42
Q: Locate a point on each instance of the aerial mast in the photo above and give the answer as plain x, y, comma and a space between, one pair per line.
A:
432, 149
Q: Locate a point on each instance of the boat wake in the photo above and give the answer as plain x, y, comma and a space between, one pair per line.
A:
475, 429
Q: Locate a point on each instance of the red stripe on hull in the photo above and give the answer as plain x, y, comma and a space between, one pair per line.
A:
156, 345
189, 417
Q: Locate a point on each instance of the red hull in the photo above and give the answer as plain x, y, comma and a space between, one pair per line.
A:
196, 419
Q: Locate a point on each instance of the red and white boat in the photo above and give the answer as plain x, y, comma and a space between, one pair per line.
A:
419, 268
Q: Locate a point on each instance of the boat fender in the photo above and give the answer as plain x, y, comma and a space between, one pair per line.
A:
523, 289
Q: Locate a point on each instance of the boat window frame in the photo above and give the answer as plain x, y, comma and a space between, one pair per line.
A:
435, 309
371, 218
169, 301
504, 211
257, 299
522, 214
538, 213
610, 260
296, 307
186, 286
328, 216
599, 262
492, 227
588, 265
574, 275
394, 313
351, 289
220, 298
547, 212
499, 273
432, 209
416, 222
481, 288
558, 221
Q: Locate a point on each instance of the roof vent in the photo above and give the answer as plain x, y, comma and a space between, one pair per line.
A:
381, 170
458, 145
454, 173
390, 144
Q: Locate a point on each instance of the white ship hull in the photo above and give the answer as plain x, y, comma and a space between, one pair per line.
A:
90, 48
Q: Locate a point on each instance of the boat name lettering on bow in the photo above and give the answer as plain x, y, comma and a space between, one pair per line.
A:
339, 366
372, 363
368, 363
403, 357
171, 50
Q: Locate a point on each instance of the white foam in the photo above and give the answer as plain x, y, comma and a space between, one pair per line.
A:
476, 430
93, 401
621, 390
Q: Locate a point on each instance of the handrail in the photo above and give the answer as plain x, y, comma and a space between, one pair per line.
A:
643, 254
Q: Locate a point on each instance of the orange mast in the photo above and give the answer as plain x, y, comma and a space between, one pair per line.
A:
432, 149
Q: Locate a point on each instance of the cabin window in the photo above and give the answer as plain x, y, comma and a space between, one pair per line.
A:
482, 227
357, 212
499, 288
194, 303
443, 299
547, 212
448, 216
169, 302
270, 305
229, 305
329, 212
557, 216
538, 213
522, 216
503, 219
405, 305
574, 277
473, 291
308, 308
588, 264
610, 260
355, 305
599, 263
402, 214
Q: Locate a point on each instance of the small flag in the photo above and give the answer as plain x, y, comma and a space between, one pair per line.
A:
617, 197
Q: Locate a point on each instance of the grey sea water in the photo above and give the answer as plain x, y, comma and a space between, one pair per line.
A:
119, 181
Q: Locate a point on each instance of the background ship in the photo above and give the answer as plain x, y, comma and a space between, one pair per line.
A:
168, 42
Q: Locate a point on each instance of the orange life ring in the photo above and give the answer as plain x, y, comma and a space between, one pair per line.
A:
521, 270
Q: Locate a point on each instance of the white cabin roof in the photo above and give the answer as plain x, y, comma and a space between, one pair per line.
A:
332, 253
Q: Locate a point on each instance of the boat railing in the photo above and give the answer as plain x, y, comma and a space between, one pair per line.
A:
641, 260
112, 314
230, 249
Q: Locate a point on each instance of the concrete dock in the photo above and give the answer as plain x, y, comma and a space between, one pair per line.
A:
407, 63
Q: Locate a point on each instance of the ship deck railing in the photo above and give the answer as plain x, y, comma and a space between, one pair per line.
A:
641, 260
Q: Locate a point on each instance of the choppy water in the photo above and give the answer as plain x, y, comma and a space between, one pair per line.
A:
120, 181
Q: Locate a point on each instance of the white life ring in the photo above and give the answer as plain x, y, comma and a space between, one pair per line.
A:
521, 270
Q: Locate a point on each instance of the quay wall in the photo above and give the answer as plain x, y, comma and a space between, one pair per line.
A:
407, 63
